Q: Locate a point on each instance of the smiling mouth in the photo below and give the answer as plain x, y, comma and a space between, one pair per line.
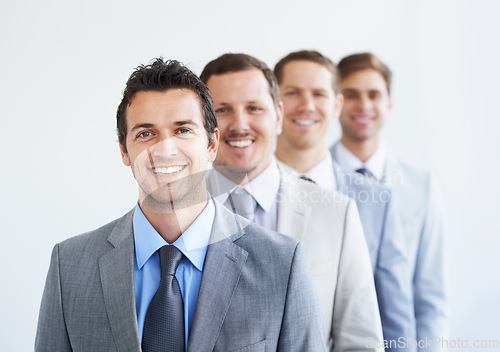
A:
168, 170
240, 144
363, 119
304, 122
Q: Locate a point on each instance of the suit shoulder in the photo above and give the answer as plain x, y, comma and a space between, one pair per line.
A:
257, 237
93, 239
407, 173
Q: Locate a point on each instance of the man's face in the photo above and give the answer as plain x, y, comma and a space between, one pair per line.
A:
366, 104
248, 122
310, 103
167, 146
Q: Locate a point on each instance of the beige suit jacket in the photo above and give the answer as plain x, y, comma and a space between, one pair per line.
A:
328, 224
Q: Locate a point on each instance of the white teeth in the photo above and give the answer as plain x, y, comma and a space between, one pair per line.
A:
167, 170
304, 122
362, 118
240, 144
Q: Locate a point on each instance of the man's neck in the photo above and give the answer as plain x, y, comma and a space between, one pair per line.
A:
301, 160
238, 175
363, 150
171, 223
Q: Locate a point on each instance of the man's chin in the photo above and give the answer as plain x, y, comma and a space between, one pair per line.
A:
236, 173
169, 199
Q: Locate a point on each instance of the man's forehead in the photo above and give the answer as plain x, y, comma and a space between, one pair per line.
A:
171, 106
305, 72
245, 85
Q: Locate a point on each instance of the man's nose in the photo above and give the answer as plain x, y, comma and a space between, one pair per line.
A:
365, 103
239, 121
165, 148
307, 102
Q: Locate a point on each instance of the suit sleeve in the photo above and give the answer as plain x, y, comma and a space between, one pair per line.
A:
429, 277
393, 283
51, 334
356, 320
302, 326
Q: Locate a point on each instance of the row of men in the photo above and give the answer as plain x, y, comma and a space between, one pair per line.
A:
182, 271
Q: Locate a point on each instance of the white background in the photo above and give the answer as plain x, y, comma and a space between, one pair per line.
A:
64, 65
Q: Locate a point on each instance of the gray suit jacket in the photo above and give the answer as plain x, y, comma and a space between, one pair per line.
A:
255, 294
329, 226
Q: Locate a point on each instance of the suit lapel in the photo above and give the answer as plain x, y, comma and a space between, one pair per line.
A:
117, 278
221, 272
293, 213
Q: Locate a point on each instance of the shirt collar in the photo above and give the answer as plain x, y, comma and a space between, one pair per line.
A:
264, 188
350, 162
322, 173
193, 243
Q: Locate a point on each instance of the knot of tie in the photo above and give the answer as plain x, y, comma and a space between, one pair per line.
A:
243, 203
365, 172
170, 258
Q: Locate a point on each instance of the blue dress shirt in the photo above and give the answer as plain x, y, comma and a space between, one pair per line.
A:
193, 243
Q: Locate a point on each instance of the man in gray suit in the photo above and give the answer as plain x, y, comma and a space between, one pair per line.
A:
248, 180
309, 90
179, 272
366, 84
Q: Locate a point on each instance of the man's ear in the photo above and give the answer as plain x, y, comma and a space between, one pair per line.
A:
125, 158
214, 146
391, 103
279, 119
339, 104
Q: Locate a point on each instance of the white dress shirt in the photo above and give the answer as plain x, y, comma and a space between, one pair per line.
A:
350, 162
264, 189
322, 173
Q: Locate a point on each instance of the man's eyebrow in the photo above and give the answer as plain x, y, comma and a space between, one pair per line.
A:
141, 125
185, 122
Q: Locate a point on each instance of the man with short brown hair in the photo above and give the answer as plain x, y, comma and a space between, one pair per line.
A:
366, 86
248, 180
309, 87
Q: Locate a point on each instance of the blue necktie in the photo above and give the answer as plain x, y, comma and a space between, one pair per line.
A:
164, 322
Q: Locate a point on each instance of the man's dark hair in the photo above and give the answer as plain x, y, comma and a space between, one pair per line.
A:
365, 61
309, 55
160, 76
241, 62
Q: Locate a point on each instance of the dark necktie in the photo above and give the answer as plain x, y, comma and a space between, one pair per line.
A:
164, 322
365, 172
305, 178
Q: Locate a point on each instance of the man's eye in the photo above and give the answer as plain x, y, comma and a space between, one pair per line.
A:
184, 131
291, 92
220, 110
254, 108
144, 134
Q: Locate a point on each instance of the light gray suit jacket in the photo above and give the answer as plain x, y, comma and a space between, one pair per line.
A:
328, 224
417, 213
419, 209
255, 295
386, 245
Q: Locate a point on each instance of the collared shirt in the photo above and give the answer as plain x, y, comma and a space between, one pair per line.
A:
322, 173
264, 189
350, 162
193, 243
